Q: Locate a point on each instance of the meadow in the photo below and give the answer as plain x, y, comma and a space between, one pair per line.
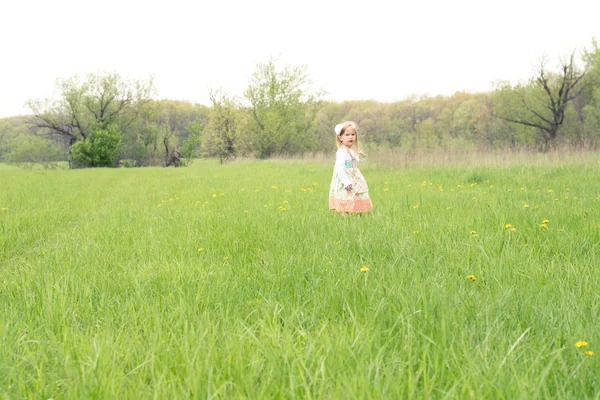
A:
468, 280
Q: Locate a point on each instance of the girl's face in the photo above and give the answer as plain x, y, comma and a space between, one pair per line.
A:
348, 137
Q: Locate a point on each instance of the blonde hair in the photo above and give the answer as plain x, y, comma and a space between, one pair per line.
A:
344, 126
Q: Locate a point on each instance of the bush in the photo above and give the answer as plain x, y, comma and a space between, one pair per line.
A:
100, 149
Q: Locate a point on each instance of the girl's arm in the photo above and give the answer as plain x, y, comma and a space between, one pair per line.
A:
340, 167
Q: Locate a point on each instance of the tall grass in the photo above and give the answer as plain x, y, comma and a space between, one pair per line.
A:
238, 282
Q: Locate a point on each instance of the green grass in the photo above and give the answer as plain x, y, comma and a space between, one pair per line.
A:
105, 294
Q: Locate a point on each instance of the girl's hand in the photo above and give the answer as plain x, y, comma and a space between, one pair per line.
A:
349, 188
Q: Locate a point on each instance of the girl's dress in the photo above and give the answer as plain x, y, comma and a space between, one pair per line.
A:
345, 172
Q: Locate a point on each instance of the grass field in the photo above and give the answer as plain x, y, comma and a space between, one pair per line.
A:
236, 281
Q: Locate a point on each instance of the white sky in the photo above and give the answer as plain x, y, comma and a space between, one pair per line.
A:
369, 49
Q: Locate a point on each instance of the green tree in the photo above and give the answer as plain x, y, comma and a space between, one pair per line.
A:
283, 107
221, 139
100, 99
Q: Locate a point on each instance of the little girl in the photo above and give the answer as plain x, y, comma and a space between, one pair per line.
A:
348, 192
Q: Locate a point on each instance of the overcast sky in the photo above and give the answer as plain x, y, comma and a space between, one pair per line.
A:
382, 50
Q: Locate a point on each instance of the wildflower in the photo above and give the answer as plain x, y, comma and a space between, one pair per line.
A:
4, 208
473, 184
171, 199
550, 191
255, 190
543, 227
364, 268
589, 353
474, 234
507, 226
285, 202
567, 189
273, 187
416, 206
526, 206
246, 211
522, 189
581, 343
222, 194
386, 183
546, 221
513, 229
556, 199
491, 186
225, 258
288, 190
408, 185
315, 183
385, 190
159, 204
509, 190
200, 249
474, 198
525, 245
471, 277
214, 195
415, 232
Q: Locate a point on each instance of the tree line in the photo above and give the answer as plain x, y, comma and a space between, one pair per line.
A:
106, 120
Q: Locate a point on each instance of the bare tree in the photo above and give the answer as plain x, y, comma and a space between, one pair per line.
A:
544, 101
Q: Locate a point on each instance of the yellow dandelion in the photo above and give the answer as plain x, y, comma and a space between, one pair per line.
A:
581, 343
525, 245
4, 208
556, 199
415, 232
409, 185
491, 186
364, 268
386, 183
473, 184
214, 195
474, 198
171, 199
474, 233
285, 202
385, 190
567, 189
507, 226
222, 194
550, 191
521, 189
543, 227
315, 183
245, 211
273, 187
526, 206
589, 353
471, 277
416, 206
513, 229
200, 249
546, 221
509, 190
255, 190
566, 197
225, 258
158, 205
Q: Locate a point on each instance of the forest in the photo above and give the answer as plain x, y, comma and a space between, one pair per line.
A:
106, 120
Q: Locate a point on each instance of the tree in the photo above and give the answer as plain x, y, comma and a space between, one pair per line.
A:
544, 100
221, 137
282, 107
100, 100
